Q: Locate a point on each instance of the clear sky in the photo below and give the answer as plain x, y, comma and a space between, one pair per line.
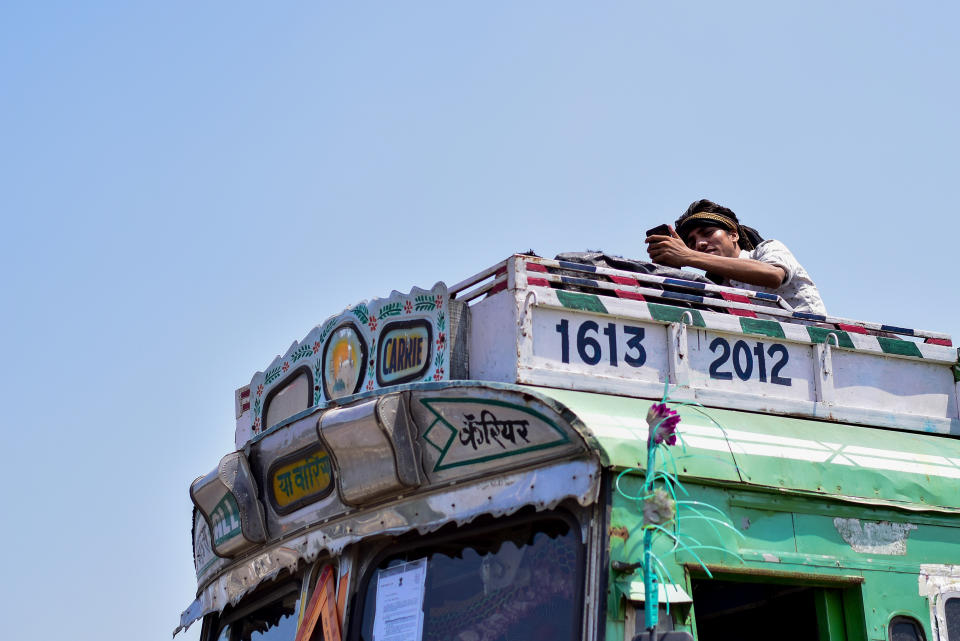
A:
188, 187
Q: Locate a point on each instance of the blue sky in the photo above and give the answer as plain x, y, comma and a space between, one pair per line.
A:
186, 188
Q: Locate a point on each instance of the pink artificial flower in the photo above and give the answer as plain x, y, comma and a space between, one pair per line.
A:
663, 424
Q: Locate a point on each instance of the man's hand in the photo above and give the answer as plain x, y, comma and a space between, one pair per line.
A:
669, 250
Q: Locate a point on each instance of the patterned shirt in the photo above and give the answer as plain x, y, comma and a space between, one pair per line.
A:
797, 288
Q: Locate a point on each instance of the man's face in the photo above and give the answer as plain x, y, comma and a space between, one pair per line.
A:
713, 240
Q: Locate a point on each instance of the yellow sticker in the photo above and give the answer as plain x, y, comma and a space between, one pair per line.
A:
301, 479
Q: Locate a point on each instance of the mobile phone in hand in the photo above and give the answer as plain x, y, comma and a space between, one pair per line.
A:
659, 230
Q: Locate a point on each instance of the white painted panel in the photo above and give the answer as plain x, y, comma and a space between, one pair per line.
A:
747, 364
598, 345
493, 338
899, 385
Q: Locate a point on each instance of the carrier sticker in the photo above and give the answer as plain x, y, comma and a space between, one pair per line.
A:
468, 431
300, 479
404, 352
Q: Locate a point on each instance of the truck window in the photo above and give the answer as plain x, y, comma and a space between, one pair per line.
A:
522, 582
272, 617
292, 397
951, 612
905, 629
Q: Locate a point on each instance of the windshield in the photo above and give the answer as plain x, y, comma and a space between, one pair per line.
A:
269, 619
522, 582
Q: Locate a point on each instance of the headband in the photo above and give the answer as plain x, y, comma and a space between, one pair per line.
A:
707, 218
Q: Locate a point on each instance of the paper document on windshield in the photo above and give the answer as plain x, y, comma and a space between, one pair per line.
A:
399, 612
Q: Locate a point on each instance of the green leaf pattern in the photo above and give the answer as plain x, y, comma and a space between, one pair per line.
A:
390, 309
272, 375
303, 350
362, 313
327, 329
424, 303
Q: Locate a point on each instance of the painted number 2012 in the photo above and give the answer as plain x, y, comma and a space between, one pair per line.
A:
591, 349
743, 361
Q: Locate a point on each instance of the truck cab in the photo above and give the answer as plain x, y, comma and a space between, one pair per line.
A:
477, 462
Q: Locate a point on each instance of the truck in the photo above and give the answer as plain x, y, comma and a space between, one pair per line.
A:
565, 449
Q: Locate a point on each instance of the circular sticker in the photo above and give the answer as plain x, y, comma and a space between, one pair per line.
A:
344, 362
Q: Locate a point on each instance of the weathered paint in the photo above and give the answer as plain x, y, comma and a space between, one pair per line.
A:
875, 537
938, 577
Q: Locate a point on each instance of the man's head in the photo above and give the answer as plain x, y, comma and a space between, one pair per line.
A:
713, 229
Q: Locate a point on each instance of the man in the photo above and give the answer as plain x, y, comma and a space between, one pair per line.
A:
709, 237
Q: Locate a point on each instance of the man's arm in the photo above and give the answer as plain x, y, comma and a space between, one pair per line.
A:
670, 251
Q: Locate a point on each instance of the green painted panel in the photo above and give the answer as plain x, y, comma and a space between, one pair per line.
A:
872, 539
586, 302
886, 593
769, 328
779, 453
671, 314
819, 335
830, 620
896, 346
853, 614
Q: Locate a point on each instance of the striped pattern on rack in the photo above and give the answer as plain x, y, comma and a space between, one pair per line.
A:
560, 299
744, 301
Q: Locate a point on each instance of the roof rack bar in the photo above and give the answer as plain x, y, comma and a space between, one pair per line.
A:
661, 280
476, 278
669, 297
783, 311
474, 293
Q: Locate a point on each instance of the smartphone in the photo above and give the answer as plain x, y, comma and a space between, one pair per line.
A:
659, 230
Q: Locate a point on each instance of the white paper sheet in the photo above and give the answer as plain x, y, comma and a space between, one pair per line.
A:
399, 612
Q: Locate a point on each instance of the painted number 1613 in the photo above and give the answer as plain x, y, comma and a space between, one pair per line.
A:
591, 346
